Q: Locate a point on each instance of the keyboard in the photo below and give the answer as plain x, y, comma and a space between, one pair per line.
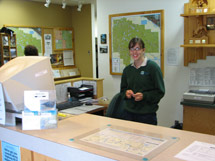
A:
69, 104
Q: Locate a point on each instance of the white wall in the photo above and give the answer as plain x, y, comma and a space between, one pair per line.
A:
176, 77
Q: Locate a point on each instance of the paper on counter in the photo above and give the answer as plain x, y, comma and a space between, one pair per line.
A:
73, 111
88, 108
198, 151
80, 109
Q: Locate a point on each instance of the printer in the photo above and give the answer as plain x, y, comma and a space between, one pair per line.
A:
201, 96
81, 93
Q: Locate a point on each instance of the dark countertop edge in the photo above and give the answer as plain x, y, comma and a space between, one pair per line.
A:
197, 104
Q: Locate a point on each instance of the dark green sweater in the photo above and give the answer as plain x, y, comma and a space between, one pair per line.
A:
147, 80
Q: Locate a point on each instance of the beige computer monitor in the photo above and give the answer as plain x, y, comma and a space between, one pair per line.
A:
25, 73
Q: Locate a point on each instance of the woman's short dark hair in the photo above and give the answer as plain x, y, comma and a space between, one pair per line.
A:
30, 50
135, 41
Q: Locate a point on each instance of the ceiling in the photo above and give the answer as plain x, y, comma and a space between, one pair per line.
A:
68, 2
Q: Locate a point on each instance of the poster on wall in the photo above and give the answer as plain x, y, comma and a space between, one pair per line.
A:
147, 25
48, 44
56, 59
103, 49
27, 36
103, 38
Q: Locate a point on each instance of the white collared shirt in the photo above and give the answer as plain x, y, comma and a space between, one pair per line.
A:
144, 63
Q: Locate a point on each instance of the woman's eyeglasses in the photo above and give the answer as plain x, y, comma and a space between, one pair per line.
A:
135, 49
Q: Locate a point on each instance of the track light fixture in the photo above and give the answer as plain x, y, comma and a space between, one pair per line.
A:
63, 4
47, 3
79, 7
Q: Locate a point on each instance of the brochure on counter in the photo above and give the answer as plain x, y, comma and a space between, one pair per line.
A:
40, 110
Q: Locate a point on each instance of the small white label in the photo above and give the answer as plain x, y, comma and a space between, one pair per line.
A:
199, 10
205, 10
191, 41
197, 41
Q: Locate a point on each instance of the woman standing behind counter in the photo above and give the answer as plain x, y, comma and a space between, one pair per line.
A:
142, 86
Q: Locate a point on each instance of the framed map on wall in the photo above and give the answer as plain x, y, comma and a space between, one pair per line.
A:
63, 39
27, 36
148, 25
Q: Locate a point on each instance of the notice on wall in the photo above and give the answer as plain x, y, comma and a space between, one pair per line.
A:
48, 44
172, 56
116, 65
10, 152
202, 76
68, 57
2, 106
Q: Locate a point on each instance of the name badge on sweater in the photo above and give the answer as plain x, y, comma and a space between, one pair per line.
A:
144, 73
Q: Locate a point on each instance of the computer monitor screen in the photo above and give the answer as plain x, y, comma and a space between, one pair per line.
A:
25, 73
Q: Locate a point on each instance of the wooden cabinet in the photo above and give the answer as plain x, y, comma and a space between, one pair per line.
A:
200, 47
8, 48
199, 119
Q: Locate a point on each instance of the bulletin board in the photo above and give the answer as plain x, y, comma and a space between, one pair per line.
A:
63, 39
148, 25
56, 43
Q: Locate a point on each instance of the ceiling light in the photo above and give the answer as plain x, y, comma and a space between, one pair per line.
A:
63, 4
47, 3
79, 7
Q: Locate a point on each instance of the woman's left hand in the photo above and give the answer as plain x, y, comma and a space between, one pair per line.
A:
138, 96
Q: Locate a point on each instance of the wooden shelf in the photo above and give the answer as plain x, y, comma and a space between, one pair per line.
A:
6, 57
199, 45
195, 23
8, 48
197, 14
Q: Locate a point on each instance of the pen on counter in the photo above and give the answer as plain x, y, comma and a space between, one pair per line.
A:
62, 114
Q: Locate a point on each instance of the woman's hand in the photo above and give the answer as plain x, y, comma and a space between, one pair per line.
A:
129, 94
138, 96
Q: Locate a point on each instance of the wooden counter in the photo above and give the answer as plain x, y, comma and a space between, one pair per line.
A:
199, 117
58, 144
